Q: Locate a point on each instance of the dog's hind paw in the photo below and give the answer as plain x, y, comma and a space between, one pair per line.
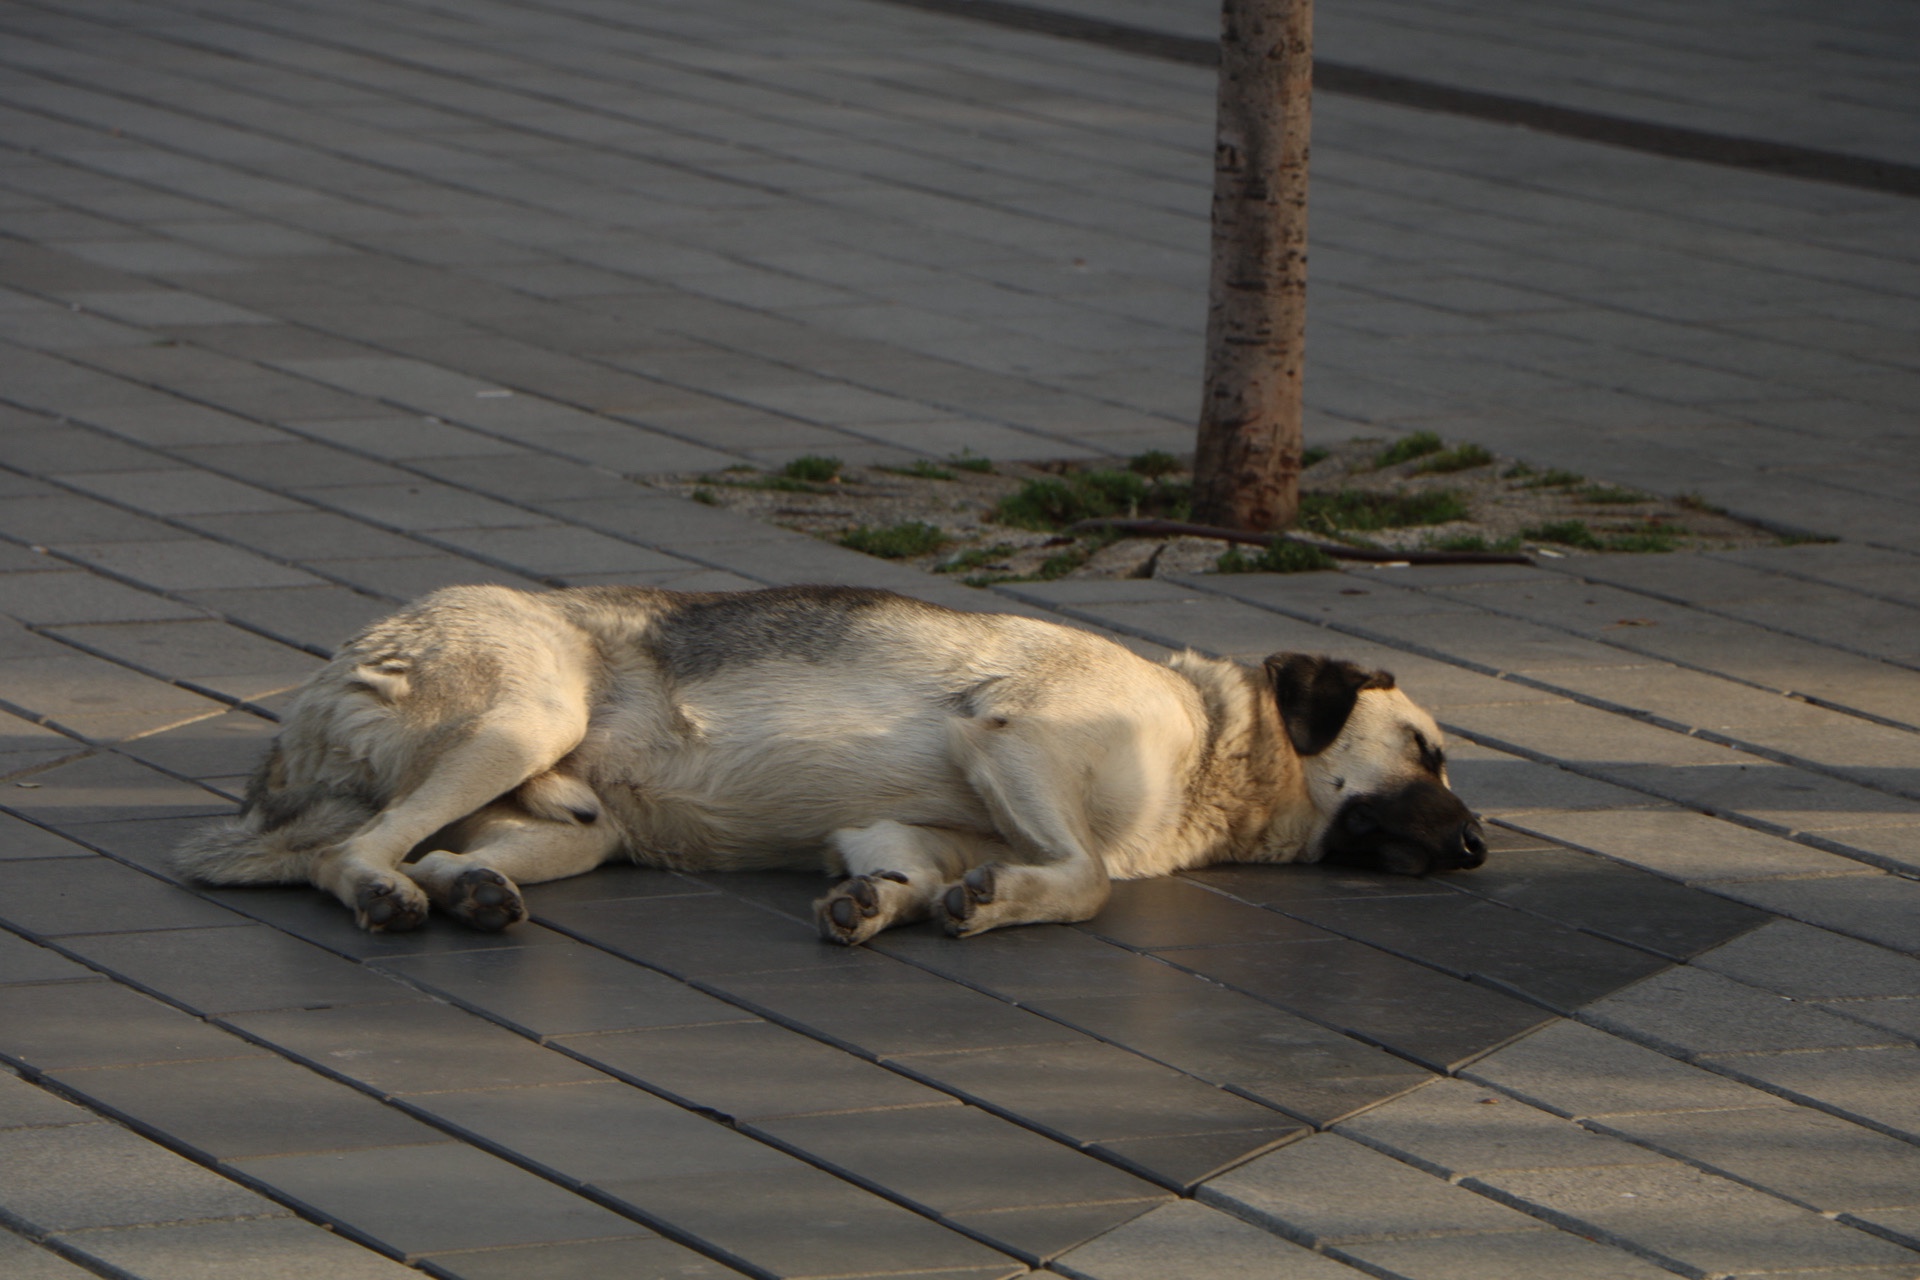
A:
483, 899
961, 903
389, 905
854, 911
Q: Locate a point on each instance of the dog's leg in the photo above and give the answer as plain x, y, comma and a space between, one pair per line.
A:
895, 873
505, 849
1060, 878
516, 743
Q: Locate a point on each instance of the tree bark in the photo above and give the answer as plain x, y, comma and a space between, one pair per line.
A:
1247, 467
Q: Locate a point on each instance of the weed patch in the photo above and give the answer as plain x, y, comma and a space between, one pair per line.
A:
1608, 495
1362, 511
1407, 448
813, 469
896, 542
921, 470
1090, 495
1282, 555
1462, 457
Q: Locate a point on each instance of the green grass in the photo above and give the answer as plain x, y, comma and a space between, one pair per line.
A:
1407, 448
921, 470
972, 462
1697, 501
782, 484
896, 542
1568, 533
974, 558
705, 497
812, 469
1356, 510
1318, 453
1462, 457
1644, 541
1653, 537
1282, 555
1552, 478
1089, 495
1609, 495
1471, 542
1155, 463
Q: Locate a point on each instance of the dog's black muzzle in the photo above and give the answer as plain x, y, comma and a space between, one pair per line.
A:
1419, 829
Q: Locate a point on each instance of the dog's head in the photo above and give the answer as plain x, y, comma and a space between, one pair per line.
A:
1375, 767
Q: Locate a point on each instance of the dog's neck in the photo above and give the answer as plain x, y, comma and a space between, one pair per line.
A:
1249, 800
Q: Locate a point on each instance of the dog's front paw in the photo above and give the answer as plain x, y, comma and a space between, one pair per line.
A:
962, 902
857, 908
389, 904
483, 899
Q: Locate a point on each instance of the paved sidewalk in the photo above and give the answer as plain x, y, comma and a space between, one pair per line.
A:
305, 310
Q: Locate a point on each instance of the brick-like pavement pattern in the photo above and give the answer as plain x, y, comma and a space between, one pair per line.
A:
305, 310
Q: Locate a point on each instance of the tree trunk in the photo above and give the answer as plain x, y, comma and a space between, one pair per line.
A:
1247, 471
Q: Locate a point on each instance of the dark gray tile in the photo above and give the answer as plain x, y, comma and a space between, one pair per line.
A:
20, 839
957, 1159
413, 1048
1475, 938
649, 1258
1036, 963
1276, 886
416, 1200
1187, 1160
146, 843
24, 961
217, 747
1430, 1018
308, 535
321, 617
561, 990
1238, 1042
702, 936
1587, 892
750, 1070
102, 1024
604, 1132
1098, 1093
610, 883
887, 1008
801, 1222
56, 896
319, 918
237, 970
1174, 912
241, 1107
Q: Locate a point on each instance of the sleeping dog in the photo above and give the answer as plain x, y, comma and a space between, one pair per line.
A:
984, 769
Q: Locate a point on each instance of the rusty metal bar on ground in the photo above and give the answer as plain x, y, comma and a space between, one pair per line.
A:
1339, 551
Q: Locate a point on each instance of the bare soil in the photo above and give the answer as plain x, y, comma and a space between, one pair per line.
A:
1503, 504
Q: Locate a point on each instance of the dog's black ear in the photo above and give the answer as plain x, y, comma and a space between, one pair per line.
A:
1316, 695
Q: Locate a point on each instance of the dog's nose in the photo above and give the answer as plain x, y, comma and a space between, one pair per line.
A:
1473, 846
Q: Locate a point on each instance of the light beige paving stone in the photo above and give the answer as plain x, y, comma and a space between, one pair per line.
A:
1895, 847
1820, 1160
100, 1175
1688, 1012
1680, 843
1691, 1220
1175, 1238
1901, 1015
1453, 1127
1579, 1071
1879, 1087
24, 1106
1518, 1255
261, 1248
21, 1259
1806, 963
1327, 1189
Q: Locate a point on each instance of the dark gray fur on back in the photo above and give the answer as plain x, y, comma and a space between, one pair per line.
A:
701, 633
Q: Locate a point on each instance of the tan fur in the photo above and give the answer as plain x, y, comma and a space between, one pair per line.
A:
990, 769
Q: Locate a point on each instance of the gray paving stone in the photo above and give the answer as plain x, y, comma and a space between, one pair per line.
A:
52, 897
559, 551
25, 1260
308, 535
100, 1175
405, 438
793, 1075
405, 579
422, 1199
1175, 1237
417, 1047
1689, 1219
210, 655
1328, 1190
26, 1106
422, 505
1805, 963
561, 990
638, 1258
25, 961
236, 970
1518, 1255
51, 1026
1690, 1012
179, 492
77, 596
1687, 846
1578, 1072
219, 746
20, 839
1877, 908
193, 1104
1824, 1162
322, 618
1453, 1128
1878, 1087
278, 1248
183, 565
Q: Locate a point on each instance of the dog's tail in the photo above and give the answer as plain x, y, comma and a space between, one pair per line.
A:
277, 835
